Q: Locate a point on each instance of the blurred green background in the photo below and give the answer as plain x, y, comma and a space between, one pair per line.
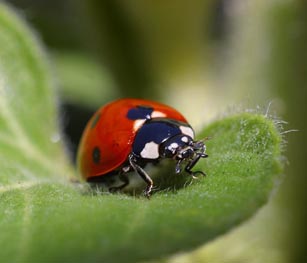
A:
204, 58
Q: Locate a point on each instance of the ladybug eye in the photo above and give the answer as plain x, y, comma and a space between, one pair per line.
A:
185, 153
173, 147
168, 152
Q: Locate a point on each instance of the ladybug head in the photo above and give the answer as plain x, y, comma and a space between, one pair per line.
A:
183, 148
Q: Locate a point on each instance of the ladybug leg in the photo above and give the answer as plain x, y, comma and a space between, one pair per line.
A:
125, 181
178, 168
141, 172
192, 163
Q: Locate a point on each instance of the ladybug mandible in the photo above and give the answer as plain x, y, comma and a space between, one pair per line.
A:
126, 134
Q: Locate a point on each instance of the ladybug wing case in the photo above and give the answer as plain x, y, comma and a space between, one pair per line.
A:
106, 141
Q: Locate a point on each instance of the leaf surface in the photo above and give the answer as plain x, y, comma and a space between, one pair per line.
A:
45, 218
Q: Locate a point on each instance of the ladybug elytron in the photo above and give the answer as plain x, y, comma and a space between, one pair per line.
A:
124, 135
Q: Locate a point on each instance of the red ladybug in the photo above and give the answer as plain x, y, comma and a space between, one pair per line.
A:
126, 134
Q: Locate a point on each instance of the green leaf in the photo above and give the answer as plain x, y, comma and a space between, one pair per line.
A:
42, 218
83, 80
30, 142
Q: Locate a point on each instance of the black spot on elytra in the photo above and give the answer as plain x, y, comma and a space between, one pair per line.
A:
96, 155
95, 121
140, 112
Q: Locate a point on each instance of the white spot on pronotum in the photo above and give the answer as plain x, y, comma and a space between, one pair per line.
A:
174, 145
137, 124
187, 131
184, 139
157, 114
150, 151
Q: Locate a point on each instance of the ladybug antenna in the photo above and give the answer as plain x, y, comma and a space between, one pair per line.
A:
199, 147
206, 139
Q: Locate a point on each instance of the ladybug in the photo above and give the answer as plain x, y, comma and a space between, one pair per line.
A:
126, 134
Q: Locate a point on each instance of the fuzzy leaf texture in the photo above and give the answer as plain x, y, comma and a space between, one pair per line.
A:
45, 218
